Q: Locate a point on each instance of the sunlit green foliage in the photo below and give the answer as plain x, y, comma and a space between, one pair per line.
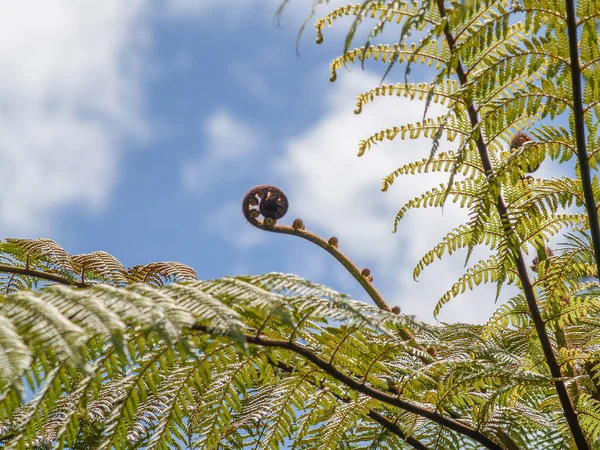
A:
94, 355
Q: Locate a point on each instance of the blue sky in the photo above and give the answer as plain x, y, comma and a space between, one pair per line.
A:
136, 127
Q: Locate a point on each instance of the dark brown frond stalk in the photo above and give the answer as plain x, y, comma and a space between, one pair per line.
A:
519, 139
41, 275
550, 357
582, 154
358, 386
395, 429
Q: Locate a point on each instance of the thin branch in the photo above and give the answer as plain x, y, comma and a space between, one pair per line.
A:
278, 209
367, 390
8, 436
582, 156
550, 357
42, 275
376, 416
343, 259
393, 428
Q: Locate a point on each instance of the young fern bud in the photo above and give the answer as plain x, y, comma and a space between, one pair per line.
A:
528, 165
298, 224
519, 139
271, 201
536, 261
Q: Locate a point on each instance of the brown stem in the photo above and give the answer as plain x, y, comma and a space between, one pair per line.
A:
367, 390
550, 357
582, 155
273, 208
376, 416
578, 119
354, 271
42, 275
393, 428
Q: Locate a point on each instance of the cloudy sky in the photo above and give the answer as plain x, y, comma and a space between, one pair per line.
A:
136, 128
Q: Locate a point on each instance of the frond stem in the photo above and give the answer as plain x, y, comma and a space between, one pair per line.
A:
42, 275
578, 119
393, 428
550, 357
578, 113
343, 259
325, 245
367, 390
376, 416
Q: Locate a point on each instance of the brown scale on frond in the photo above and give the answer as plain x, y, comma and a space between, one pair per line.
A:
271, 201
519, 139
536, 261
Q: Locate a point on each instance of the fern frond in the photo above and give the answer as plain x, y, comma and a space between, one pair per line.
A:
431, 55
464, 191
159, 273
451, 127
392, 11
483, 272
442, 162
460, 237
442, 94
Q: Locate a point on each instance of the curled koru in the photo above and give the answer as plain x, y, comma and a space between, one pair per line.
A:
265, 200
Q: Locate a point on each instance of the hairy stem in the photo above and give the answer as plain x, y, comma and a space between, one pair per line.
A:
550, 357
343, 259
367, 390
582, 156
42, 275
393, 428
273, 205
376, 416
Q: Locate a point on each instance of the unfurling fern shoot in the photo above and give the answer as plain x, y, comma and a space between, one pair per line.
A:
97, 356
530, 164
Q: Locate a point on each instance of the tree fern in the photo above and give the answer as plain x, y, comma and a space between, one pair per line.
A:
96, 355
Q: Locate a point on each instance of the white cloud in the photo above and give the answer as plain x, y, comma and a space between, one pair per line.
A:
69, 84
228, 140
336, 193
